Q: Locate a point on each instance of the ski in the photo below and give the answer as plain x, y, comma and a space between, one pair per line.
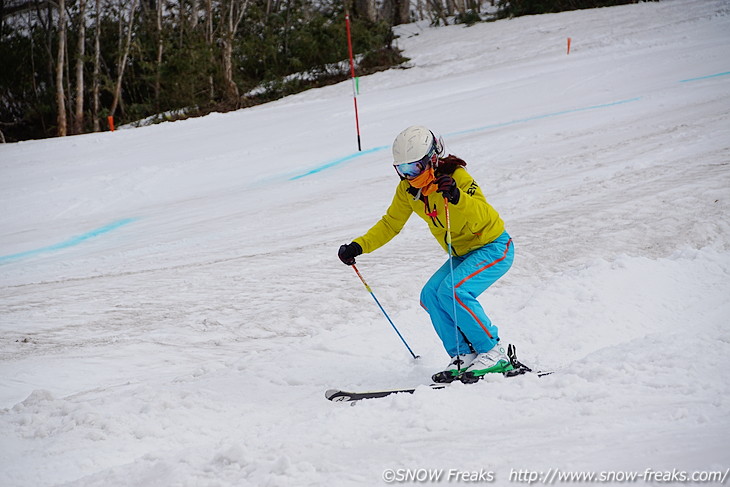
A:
346, 396
519, 368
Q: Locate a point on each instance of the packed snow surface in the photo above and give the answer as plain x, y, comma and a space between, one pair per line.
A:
172, 308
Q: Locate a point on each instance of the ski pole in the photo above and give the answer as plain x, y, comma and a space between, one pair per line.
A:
451, 266
386, 314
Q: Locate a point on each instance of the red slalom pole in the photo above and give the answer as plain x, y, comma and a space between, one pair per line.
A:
352, 75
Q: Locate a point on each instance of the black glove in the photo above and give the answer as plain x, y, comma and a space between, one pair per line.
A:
348, 252
448, 188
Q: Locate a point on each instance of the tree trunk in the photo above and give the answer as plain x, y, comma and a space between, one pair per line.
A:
181, 23
123, 61
60, 60
209, 41
366, 9
450, 7
67, 83
236, 10
231, 87
80, 54
195, 7
402, 12
460, 6
158, 73
395, 12
387, 11
438, 12
97, 67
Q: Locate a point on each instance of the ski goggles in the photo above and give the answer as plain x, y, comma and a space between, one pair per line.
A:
410, 170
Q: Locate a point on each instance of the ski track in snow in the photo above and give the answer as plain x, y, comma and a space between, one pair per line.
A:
193, 344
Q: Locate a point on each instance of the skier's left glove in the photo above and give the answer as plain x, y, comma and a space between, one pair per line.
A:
348, 252
447, 187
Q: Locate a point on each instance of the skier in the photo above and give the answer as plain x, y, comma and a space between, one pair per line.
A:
482, 251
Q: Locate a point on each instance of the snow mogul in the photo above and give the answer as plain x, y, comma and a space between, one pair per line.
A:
469, 229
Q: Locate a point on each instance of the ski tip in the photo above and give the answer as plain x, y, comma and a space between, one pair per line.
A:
336, 395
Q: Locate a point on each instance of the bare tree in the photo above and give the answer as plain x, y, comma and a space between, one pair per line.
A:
97, 68
209, 41
438, 11
158, 74
402, 12
395, 12
460, 6
195, 13
366, 9
60, 61
123, 60
233, 17
80, 53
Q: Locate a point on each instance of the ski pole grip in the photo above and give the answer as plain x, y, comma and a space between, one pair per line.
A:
448, 223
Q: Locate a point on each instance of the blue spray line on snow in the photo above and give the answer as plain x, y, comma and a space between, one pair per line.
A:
355, 155
337, 162
113, 226
717, 75
68, 243
540, 117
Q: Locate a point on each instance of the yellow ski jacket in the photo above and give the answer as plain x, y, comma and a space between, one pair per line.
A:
474, 223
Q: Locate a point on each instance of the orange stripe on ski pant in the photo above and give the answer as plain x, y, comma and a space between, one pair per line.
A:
475, 273
474, 316
482, 269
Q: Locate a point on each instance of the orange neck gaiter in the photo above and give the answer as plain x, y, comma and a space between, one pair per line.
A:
425, 182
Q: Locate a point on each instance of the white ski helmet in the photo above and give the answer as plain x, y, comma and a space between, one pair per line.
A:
414, 143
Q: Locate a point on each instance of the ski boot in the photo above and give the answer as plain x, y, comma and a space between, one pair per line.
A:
491, 362
456, 367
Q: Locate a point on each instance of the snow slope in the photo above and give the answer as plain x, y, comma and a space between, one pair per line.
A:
172, 308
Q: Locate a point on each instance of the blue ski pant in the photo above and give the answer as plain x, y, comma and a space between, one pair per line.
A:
471, 328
